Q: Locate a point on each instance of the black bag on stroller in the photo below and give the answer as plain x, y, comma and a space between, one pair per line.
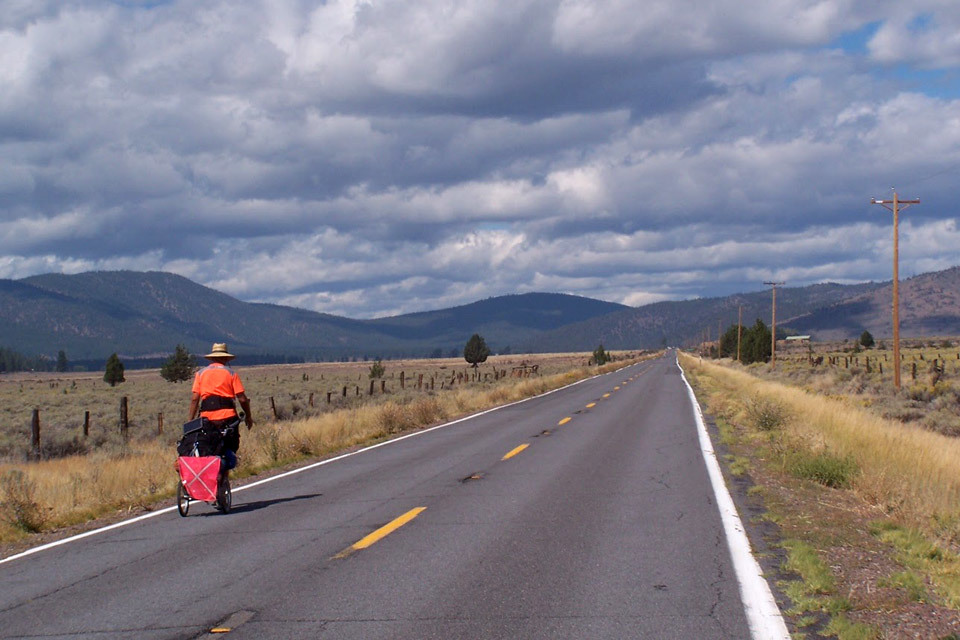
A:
200, 436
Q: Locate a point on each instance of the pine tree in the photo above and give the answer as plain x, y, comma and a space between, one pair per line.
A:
866, 339
62, 363
377, 370
728, 342
114, 371
755, 343
600, 356
180, 366
476, 350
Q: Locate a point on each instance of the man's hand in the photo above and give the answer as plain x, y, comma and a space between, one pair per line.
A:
245, 405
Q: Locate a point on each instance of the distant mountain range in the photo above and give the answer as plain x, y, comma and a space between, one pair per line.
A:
138, 315
143, 315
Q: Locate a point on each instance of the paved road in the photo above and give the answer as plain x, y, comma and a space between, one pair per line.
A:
602, 527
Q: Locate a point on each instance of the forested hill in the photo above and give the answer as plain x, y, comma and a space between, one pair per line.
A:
690, 321
136, 314
929, 306
144, 315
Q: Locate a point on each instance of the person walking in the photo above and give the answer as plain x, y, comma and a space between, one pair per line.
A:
215, 387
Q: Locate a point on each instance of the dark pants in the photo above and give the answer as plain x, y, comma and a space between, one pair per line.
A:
231, 441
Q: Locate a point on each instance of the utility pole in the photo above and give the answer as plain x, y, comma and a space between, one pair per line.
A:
773, 329
739, 329
897, 205
719, 335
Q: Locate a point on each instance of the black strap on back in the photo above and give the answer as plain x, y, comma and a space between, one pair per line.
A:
213, 403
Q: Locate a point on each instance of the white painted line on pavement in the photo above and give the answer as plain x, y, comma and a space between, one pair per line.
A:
152, 514
763, 615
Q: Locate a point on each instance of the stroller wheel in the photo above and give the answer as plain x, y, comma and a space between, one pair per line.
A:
183, 500
224, 495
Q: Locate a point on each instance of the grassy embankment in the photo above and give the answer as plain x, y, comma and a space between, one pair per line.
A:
869, 507
55, 493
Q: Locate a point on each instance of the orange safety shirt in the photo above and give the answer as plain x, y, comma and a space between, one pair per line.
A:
216, 379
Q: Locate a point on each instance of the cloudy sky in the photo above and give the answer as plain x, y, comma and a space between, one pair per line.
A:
367, 158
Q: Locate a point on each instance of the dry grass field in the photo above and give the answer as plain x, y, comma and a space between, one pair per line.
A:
930, 379
867, 494
63, 399
107, 475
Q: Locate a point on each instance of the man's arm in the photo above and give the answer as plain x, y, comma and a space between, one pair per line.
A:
245, 405
194, 406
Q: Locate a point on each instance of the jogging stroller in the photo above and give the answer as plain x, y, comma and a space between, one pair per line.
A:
202, 467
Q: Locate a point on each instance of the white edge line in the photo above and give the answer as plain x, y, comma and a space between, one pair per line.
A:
152, 514
763, 615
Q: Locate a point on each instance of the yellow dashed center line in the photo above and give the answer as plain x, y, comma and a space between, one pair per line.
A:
606, 395
564, 421
515, 452
220, 630
591, 405
616, 388
382, 532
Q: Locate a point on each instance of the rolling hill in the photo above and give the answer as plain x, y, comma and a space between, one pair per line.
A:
144, 315
929, 306
139, 315
689, 321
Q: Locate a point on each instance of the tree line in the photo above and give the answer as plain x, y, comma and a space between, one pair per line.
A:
11, 361
754, 343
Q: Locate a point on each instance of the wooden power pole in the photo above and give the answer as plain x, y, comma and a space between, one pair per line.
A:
739, 329
773, 329
719, 335
896, 205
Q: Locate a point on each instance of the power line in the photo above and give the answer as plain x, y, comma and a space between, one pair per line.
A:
948, 169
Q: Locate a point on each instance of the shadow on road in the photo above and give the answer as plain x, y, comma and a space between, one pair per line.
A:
263, 504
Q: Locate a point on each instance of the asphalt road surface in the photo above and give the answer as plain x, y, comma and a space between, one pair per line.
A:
601, 524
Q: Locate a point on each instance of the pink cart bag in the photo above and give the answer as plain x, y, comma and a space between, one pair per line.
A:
199, 476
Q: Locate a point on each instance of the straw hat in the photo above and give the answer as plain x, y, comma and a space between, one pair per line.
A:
219, 352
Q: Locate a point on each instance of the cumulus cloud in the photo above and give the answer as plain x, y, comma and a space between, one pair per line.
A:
368, 158
928, 35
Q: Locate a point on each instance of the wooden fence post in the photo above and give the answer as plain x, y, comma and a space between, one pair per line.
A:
383, 386
273, 407
35, 434
310, 401
160, 423
344, 391
371, 386
86, 424
124, 418
358, 390
431, 383
329, 393
420, 381
402, 380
